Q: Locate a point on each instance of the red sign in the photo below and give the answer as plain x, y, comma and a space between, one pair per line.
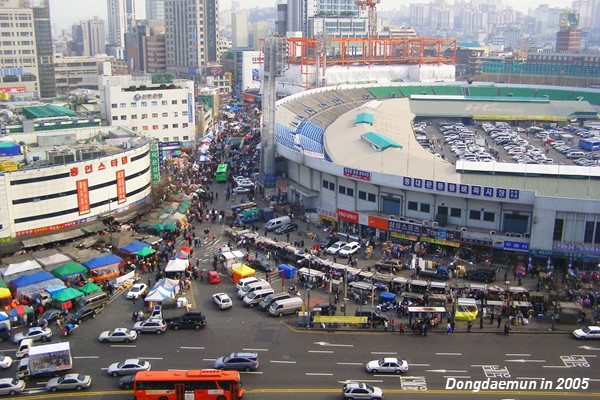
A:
16, 89
121, 191
350, 216
88, 169
378, 223
83, 196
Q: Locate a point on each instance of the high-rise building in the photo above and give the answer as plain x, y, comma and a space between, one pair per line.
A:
155, 53
260, 30
191, 36
239, 30
155, 12
121, 18
43, 44
568, 38
93, 37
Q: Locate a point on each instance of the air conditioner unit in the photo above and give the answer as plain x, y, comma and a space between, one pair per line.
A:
401, 219
492, 232
463, 229
518, 234
394, 217
411, 220
426, 222
526, 235
510, 234
435, 224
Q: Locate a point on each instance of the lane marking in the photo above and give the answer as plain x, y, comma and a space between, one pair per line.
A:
448, 354
82, 357
4, 350
419, 365
458, 376
447, 371
192, 348
333, 344
384, 352
321, 351
151, 358
246, 349
555, 366
318, 374
526, 361
209, 359
282, 362
104, 369
518, 355
123, 345
348, 363
251, 372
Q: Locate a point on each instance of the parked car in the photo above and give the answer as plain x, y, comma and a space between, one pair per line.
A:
35, 333
128, 367
82, 314
481, 275
238, 361
118, 335
242, 190
69, 382
151, 325
52, 314
11, 386
126, 382
589, 332
328, 241
222, 300
388, 264
262, 265
286, 228
334, 248
214, 277
360, 390
387, 365
189, 320
349, 249
136, 291
5, 362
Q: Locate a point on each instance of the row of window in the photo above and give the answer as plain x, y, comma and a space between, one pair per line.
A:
17, 52
591, 233
145, 116
17, 34
145, 103
17, 17
475, 215
155, 127
348, 191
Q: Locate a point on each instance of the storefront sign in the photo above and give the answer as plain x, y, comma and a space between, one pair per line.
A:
378, 223
83, 196
121, 191
405, 227
576, 248
566, 254
515, 246
405, 236
444, 234
357, 174
473, 190
331, 215
92, 168
350, 216
479, 242
154, 163
5, 240
439, 241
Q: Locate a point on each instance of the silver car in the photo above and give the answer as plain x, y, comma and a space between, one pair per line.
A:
118, 335
35, 333
69, 382
152, 325
128, 367
11, 386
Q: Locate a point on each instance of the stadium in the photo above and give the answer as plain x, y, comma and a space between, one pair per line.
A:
349, 155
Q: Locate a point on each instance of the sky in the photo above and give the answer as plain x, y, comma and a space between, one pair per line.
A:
65, 12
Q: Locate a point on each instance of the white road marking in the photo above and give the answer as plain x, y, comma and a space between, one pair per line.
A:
104, 369
348, 363
41, 383
361, 380
150, 358
555, 366
447, 371
518, 355
34, 391
522, 360
209, 359
282, 362
4, 350
384, 352
419, 365
318, 374
581, 347
81, 357
251, 372
245, 349
458, 376
333, 344
448, 354
123, 345
321, 351
192, 348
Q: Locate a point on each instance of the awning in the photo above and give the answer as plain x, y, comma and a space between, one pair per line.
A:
304, 191
57, 237
126, 216
94, 227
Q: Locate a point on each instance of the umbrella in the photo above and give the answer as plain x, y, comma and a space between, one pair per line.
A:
89, 287
186, 249
169, 226
145, 252
143, 224
158, 227
20, 310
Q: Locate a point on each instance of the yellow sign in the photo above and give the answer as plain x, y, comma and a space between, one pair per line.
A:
439, 241
404, 236
6, 240
341, 319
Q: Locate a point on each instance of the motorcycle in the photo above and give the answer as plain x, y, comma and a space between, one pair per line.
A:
293, 289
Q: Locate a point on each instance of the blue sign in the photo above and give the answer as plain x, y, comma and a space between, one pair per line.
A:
472, 190
443, 234
516, 246
357, 174
404, 227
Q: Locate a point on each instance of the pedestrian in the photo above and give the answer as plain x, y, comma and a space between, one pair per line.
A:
385, 325
453, 326
449, 329
59, 325
133, 299
401, 328
393, 325
506, 329
499, 321
492, 318
469, 326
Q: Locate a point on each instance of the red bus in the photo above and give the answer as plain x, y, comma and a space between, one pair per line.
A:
204, 384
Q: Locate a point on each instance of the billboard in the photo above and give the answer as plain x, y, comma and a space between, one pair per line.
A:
121, 191
211, 30
568, 21
154, 162
251, 67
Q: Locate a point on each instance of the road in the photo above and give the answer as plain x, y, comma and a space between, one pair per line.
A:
310, 364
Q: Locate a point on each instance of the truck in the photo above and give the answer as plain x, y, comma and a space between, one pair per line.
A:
46, 360
442, 273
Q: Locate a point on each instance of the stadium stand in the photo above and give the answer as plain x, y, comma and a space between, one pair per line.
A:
285, 137
385, 92
286, 117
312, 131
483, 91
516, 92
408, 90
448, 90
554, 94
297, 108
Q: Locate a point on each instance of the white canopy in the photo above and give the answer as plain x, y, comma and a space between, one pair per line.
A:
57, 259
14, 271
159, 294
176, 265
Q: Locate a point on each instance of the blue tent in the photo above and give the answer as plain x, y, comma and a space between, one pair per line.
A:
386, 297
27, 280
288, 271
100, 262
134, 247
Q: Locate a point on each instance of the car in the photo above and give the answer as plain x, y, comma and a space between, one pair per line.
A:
35, 333
126, 382
11, 386
361, 390
262, 265
286, 228
334, 248
128, 367
589, 332
387, 365
213, 277
5, 362
52, 314
238, 361
69, 382
242, 190
222, 300
245, 281
151, 325
328, 241
190, 320
118, 335
388, 264
246, 183
82, 314
349, 249
480, 275
136, 291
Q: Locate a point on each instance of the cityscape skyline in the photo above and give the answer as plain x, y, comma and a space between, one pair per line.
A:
66, 12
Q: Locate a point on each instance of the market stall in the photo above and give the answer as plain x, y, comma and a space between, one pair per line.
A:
105, 267
27, 285
241, 271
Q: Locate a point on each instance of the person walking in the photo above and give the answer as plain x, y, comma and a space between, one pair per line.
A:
401, 328
499, 321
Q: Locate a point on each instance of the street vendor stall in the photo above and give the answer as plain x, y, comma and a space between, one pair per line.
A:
105, 267
242, 271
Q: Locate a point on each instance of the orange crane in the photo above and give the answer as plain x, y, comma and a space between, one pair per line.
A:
372, 20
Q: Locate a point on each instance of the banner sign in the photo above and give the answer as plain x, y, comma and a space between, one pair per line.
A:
83, 196
121, 191
154, 162
357, 174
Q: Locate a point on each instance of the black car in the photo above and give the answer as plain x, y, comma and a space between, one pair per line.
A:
328, 241
262, 265
126, 382
52, 314
324, 309
286, 228
481, 275
189, 320
82, 314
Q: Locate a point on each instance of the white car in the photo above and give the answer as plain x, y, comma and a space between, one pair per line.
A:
69, 382
246, 183
128, 367
334, 248
11, 386
589, 332
35, 333
151, 325
246, 281
391, 365
222, 300
349, 249
118, 335
5, 362
136, 291
360, 390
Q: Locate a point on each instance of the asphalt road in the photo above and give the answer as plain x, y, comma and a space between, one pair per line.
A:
306, 364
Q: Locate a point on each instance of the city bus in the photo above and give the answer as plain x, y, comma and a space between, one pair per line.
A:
222, 173
204, 384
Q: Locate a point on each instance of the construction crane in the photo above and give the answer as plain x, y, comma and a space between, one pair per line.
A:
372, 9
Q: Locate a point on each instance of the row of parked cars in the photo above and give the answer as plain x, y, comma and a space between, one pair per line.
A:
517, 147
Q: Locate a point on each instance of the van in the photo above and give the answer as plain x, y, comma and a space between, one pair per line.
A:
256, 296
267, 301
246, 281
286, 306
246, 290
94, 300
275, 223
576, 154
24, 346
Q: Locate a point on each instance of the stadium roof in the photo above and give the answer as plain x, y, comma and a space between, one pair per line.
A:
364, 118
47, 111
380, 142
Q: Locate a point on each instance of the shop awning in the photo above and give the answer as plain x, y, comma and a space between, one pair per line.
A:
94, 227
125, 216
339, 319
57, 237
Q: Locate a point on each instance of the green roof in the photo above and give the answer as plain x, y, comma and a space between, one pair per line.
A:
364, 118
408, 90
379, 141
47, 111
384, 92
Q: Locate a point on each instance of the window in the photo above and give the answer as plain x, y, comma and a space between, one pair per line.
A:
362, 195
489, 216
372, 198
442, 210
184, 113
175, 114
144, 116
175, 125
123, 105
597, 234
186, 138
331, 186
154, 127
413, 206
184, 101
455, 212
165, 115
144, 104
425, 207
115, 118
325, 184
123, 117
475, 214
145, 127
173, 101
588, 235
154, 115
134, 116
558, 229
133, 105
165, 126
154, 103
342, 189
184, 125
350, 192
113, 105
164, 103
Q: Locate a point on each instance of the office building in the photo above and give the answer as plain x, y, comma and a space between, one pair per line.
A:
260, 30
239, 30
155, 12
93, 37
121, 17
43, 44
